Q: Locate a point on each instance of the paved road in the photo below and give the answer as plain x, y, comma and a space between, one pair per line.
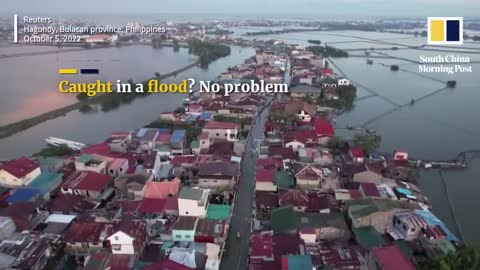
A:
236, 254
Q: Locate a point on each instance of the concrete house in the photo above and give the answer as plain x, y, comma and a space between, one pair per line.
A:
184, 229
88, 184
127, 235
193, 202
18, 172
222, 130
90, 163
119, 166
146, 138
218, 174
407, 226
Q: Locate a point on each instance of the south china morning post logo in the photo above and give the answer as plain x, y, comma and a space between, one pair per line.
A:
445, 30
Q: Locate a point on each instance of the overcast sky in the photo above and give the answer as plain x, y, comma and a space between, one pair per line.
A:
388, 8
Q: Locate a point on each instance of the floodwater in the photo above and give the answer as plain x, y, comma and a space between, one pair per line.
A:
38, 89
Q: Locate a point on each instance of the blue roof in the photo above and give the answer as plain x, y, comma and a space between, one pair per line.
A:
299, 262
205, 116
432, 220
405, 191
46, 181
24, 195
178, 136
142, 132
191, 118
163, 131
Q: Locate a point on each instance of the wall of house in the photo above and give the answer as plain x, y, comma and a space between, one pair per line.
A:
191, 208
208, 183
9, 180
309, 238
306, 183
408, 233
332, 233
100, 168
121, 243
119, 171
222, 134
265, 186
183, 235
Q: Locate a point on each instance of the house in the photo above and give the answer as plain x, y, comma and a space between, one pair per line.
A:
46, 181
357, 155
323, 130
178, 141
118, 141
91, 163
332, 226
388, 258
407, 226
368, 237
369, 190
303, 110
210, 231
158, 208
218, 174
119, 166
204, 141
25, 252
130, 186
193, 202
343, 82
304, 90
127, 235
296, 198
162, 190
111, 261
308, 176
84, 238
222, 130
264, 180
18, 172
146, 138
374, 178
378, 213
184, 229
400, 154
87, 183
283, 179
261, 247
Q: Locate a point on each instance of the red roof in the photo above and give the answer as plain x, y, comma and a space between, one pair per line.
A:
356, 152
262, 175
327, 71
294, 197
355, 194
87, 180
127, 206
323, 128
131, 225
299, 135
370, 190
67, 203
261, 246
19, 167
85, 232
281, 152
221, 125
392, 258
164, 138
181, 160
161, 190
157, 206
269, 163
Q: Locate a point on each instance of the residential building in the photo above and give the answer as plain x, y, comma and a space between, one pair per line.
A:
85, 238
87, 183
184, 229
264, 180
18, 172
178, 141
90, 163
222, 130
193, 202
218, 174
127, 235
119, 166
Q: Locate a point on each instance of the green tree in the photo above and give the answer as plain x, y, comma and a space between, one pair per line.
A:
308, 99
336, 142
464, 258
368, 142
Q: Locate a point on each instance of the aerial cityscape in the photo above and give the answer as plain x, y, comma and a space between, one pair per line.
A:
225, 135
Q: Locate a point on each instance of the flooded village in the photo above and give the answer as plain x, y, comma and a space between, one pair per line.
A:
244, 181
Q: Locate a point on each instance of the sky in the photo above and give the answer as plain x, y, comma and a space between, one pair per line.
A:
341, 8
